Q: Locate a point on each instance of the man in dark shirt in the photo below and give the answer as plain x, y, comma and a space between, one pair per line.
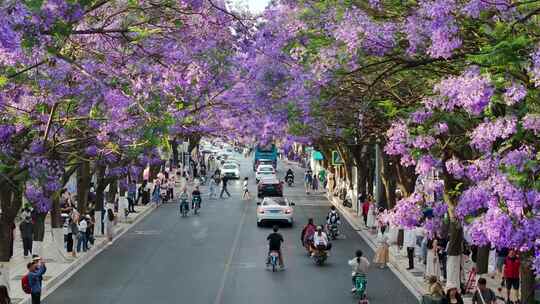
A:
224, 181
483, 295
274, 244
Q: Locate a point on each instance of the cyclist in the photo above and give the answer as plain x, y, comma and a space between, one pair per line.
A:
196, 197
184, 197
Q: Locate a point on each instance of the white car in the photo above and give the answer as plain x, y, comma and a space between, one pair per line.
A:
264, 170
230, 170
275, 209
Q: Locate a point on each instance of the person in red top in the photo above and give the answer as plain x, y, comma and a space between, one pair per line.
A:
511, 274
365, 210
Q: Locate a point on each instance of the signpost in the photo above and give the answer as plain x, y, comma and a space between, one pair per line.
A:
336, 158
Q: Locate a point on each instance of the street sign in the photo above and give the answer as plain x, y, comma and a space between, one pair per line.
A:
336, 158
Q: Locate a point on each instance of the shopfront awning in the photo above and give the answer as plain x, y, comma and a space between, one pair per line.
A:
316, 155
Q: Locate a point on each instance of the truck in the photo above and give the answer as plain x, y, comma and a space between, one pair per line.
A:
265, 154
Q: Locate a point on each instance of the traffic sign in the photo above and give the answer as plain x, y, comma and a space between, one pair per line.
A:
336, 158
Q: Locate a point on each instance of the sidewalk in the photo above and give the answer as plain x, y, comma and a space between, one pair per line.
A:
58, 271
414, 279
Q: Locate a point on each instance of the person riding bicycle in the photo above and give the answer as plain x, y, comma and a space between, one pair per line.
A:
275, 240
332, 218
184, 197
360, 266
196, 197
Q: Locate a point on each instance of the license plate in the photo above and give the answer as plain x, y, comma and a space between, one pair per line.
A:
275, 211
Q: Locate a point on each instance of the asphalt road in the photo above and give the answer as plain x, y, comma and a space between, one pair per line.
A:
218, 258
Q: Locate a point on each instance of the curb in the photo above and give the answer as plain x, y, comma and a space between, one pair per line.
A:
59, 279
392, 265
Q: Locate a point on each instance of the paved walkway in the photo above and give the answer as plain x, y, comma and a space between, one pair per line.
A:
59, 271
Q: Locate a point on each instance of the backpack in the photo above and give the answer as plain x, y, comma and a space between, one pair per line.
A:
25, 284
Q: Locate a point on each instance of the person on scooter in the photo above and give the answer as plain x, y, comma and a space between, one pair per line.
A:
332, 218
307, 234
195, 195
184, 197
290, 174
275, 240
320, 240
360, 266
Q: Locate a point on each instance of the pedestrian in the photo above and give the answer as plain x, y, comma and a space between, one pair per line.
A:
156, 193
443, 254
212, 187
170, 187
365, 211
143, 193
74, 228
4, 295
109, 224
26, 227
224, 181
410, 242
452, 296
382, 253
315, 183
35, 278
81, 236
371, 215
132, 196
164, 190
483, 295
308, 179
511, 275
90, 229
435, 288
245, 194
502, 253
433, 268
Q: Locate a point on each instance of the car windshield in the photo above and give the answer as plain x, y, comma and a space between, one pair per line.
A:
275, 201
229, 167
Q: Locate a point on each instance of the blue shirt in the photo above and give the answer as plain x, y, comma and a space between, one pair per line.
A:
35, 278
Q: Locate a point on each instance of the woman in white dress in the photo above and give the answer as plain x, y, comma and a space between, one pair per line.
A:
432, 261
371, 216
382, 253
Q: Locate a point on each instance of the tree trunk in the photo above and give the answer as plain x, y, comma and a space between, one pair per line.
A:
482, 259
83, 186
371, 170
10, 201
55, 250
388, 178
38, 233
174, 147
527, 280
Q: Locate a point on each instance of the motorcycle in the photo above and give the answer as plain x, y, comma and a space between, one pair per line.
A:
333, 231
184, 208
274, 258
360, 284
319, 256
196, 204
290, 180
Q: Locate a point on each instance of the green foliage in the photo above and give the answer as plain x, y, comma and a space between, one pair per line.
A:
3, 80
389, 108
33, 5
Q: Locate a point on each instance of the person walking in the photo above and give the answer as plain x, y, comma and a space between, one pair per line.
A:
410, 242
315, 183
74, 229
156, 195
308, 178
4, 295
365, 211
382, 254
433, 268
511, 275
109, 224
245, 189
131, 196
370, 223
81, 237
212, 187
144, 193
224, 182
26, 227
35, 278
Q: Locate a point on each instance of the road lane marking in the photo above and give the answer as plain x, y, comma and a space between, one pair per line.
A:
219, 296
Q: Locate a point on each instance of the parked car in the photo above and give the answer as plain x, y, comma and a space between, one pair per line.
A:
275, 209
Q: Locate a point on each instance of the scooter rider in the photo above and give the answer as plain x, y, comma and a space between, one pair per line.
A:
320, 240
289, 173
275, 240
195, 195
184, 197
332, 218
360, 266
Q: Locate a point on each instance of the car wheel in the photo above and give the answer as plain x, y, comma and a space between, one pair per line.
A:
259, 224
